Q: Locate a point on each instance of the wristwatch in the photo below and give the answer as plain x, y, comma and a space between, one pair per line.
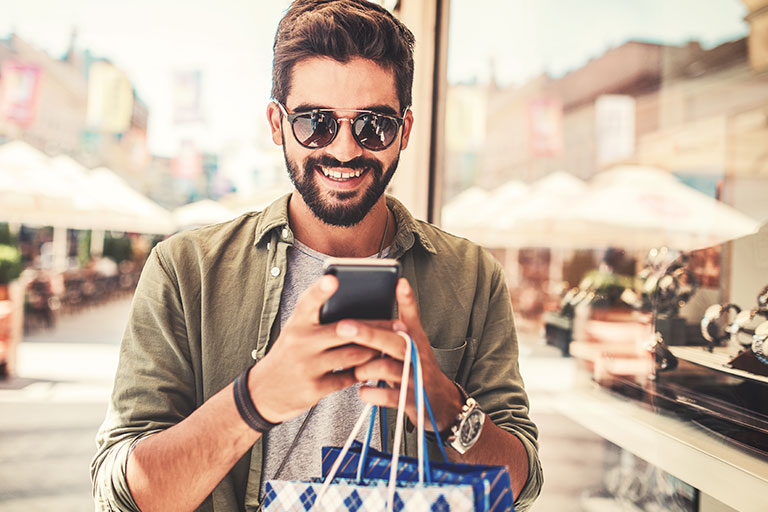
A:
758, 342
467, 427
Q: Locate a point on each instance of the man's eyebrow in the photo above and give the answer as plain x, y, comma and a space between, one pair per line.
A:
381, 109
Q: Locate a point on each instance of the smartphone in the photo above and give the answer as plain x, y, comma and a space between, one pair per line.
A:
366, 289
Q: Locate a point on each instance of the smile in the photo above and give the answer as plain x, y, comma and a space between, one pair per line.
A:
337, 175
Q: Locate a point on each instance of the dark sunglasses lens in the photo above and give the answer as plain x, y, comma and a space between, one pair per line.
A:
314, 130
375, 132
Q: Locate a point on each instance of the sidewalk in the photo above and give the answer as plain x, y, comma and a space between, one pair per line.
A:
50, 411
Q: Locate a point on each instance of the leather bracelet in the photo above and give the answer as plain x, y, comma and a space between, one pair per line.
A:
245, 406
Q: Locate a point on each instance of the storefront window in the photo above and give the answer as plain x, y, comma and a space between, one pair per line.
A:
612, 156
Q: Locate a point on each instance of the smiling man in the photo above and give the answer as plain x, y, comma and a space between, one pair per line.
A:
227, 378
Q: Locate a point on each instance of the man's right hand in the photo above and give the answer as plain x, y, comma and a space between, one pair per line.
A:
307, 362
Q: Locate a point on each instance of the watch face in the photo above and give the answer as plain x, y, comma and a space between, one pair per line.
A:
470, 428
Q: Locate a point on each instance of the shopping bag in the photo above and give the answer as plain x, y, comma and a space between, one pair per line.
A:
367, 496
412, 483
490, 484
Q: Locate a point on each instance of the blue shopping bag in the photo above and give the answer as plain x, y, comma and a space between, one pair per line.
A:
491, 484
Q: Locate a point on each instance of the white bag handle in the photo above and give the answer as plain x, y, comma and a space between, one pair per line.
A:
398, 429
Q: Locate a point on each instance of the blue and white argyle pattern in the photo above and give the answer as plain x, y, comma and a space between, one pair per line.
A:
346, 495
491, 484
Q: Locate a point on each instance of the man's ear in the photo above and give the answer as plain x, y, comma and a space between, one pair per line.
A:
407, 125
274, 118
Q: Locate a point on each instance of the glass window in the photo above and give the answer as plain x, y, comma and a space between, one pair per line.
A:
609, 154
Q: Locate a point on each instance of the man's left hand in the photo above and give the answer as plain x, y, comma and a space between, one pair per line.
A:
443, 395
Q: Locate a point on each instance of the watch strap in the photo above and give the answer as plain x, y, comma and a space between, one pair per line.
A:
447, 432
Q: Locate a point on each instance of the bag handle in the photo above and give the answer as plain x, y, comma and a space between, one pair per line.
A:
411, 358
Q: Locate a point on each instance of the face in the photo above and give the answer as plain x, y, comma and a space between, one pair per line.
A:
342, 181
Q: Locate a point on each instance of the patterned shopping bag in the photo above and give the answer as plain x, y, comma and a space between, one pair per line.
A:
346, 495
491, 484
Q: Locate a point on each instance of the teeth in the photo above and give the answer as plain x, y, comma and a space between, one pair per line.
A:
338, 175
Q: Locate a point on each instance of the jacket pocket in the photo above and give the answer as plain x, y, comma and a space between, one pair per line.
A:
449, 359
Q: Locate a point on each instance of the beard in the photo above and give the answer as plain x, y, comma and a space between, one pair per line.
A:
344, 211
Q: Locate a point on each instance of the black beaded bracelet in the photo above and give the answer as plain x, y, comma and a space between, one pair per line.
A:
245, 406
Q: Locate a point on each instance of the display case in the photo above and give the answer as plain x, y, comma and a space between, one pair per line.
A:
684, 388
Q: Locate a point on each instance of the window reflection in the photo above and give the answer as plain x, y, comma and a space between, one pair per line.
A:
612, 157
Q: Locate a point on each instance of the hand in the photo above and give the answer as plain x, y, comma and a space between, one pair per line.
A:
307, 362
444, 398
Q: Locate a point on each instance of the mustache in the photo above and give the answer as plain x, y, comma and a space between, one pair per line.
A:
356, 163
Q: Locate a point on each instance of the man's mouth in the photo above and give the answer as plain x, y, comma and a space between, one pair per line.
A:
340, 175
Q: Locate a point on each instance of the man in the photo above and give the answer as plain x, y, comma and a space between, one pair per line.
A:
178, 436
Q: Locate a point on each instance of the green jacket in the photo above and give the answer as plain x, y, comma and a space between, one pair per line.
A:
207, 306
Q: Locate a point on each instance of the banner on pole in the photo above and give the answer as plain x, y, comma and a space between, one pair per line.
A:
110, 98
545, 126
187, 97
19, 91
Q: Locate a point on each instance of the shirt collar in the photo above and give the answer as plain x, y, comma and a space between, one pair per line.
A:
275, 216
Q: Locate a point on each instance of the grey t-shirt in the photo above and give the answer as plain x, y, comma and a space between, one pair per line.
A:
335, 415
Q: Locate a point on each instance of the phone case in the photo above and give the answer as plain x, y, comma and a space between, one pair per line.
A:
366, 289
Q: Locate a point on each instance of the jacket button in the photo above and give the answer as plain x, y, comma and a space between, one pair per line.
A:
275, 271
285, 233
254, 354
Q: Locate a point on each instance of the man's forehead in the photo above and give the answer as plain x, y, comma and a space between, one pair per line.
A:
358, 83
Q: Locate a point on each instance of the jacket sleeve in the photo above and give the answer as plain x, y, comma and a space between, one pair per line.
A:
495, 381
154, 385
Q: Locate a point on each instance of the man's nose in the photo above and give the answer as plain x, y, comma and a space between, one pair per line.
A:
344, 147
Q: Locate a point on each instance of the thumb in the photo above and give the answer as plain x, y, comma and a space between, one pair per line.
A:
407, 307
308, 306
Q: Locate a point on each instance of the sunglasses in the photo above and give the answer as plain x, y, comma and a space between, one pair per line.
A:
317, 128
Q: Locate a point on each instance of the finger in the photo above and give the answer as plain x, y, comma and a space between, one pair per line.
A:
308, 306
381, 368
381, 324
347, 356
383, 340
332, 382
384, 397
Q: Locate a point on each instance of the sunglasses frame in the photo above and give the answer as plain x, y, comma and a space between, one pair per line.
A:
399, 121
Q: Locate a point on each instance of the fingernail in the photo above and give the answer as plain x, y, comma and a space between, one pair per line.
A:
399, 326
326, 284
346, 329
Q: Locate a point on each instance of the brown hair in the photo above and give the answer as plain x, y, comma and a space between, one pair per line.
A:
341, 30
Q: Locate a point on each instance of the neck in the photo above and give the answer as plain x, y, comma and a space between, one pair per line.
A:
358, 241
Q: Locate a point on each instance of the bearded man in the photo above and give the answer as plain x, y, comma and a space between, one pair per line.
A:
240, 301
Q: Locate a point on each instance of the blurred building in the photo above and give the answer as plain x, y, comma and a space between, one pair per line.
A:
699, 113
62, 106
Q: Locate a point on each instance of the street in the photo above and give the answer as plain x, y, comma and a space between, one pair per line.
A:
50, 412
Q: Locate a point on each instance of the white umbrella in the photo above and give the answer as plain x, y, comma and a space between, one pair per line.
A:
133, 211
642, 207
201, 213
459, 216
32, 192
529, 222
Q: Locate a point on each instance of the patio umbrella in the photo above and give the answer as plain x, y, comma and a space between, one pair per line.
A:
529, 221
642, 207
133, 211
201, 213
460, 215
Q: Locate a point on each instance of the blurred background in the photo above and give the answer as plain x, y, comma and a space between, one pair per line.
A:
613, 156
